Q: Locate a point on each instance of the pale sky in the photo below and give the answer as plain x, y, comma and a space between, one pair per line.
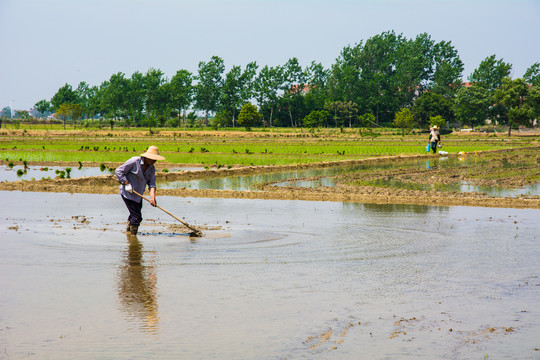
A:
45, 44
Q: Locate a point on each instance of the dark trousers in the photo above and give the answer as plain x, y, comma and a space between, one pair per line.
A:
434, 146
135, 214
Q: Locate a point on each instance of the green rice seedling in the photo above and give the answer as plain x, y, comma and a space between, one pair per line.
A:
11, 165
102, 167
80, 164
165, 170
68, 173
20, 173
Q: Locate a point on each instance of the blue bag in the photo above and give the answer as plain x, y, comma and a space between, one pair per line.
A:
428, 147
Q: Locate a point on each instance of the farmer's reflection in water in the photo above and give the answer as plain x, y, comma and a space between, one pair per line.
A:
137, 286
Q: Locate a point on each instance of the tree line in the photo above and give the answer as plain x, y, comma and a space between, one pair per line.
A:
386, 80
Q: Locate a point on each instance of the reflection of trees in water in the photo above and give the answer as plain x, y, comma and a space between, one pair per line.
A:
137, 286
391, 208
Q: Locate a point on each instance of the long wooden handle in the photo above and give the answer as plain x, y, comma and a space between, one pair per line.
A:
159, 207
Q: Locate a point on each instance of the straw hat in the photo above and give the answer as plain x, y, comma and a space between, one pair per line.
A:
153, 153
435, 127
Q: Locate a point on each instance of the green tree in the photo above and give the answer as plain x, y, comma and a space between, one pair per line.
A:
6, 112
343, 112
367, 120
344, 81
100, 102
115, 96
294, 88
191, 118
334, 108
533, 100
154, 99
247, 79
265, 89
164, 107
513, 95
472, 105
412, 69
490, 73
42, 106
249, 116
388, 72
238, 87
404, 119
315, 118
431, 104
378, 65
93, 102
136, 95
532, 75
64, 111
222, 119
208, 88
84, 92
437, 120
231, 93
181, 92
316, 78
76, 111
448, 69
64, 95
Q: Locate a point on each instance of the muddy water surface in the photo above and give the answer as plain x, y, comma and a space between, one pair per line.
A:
34, 172
326, 177
272, 280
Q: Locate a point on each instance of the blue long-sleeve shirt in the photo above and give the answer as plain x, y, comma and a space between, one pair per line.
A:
132, 171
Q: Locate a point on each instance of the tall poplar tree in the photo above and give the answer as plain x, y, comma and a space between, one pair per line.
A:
209, 86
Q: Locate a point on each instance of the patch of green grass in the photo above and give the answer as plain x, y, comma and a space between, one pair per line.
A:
264, 147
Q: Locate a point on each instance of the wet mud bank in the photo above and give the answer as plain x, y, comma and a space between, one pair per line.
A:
509, 168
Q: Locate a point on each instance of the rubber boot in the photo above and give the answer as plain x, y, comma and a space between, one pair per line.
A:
133, 229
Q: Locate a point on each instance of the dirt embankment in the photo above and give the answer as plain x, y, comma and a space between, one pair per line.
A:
349, 188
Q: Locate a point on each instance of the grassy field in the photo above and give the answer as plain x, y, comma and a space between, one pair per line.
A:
274, 146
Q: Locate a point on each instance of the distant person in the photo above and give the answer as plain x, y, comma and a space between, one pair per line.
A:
434, 138
134, 175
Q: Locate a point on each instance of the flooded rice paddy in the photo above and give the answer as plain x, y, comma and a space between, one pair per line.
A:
34, 172
318, 177
269, 280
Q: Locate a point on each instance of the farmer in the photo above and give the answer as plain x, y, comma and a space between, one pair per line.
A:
434, 138
134, 175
